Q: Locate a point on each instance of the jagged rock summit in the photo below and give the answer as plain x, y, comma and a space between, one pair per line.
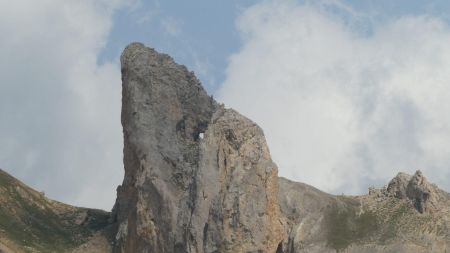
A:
416, 188
198, 177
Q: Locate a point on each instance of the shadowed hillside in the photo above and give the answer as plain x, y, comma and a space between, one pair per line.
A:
30, 222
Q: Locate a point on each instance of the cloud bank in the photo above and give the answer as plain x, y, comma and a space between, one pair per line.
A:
59, 109
344, 109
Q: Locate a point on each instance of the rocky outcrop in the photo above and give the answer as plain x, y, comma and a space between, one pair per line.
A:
397, 186
417, 189
237, 203
409, 215
198, 177
422, 193
164, 110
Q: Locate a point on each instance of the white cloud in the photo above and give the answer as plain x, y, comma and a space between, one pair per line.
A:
60, 109
172, 25
343, 110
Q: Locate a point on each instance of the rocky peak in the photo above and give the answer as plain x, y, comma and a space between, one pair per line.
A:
397, 186
198, 177
421, 192
415, 188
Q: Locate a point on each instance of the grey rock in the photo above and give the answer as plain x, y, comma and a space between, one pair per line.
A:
415, 188
198, 177
397, 186
164, 108
410, 215
418, 190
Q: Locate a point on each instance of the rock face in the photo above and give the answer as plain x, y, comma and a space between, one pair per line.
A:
415, 188
397, 186
198, 177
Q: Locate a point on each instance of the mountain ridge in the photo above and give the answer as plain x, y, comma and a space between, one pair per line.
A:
199, 178
309, 201
30, 222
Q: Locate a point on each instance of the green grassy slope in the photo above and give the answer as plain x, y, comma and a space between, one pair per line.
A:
29, 222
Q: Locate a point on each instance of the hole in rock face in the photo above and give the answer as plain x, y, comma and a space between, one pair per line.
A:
199, 130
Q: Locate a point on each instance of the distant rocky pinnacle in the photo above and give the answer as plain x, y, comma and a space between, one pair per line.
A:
423, 195
199, 179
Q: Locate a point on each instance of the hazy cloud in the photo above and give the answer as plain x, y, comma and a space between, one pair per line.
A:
171, 25
59, 109
343, 109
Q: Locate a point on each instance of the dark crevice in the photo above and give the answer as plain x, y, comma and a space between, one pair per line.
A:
280, 248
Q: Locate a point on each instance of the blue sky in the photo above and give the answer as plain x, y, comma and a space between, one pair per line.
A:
199, 34
348, 92
206, 32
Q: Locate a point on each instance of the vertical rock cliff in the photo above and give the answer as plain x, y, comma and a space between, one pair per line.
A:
198, 177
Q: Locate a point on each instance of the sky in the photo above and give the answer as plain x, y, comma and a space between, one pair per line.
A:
348, 92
